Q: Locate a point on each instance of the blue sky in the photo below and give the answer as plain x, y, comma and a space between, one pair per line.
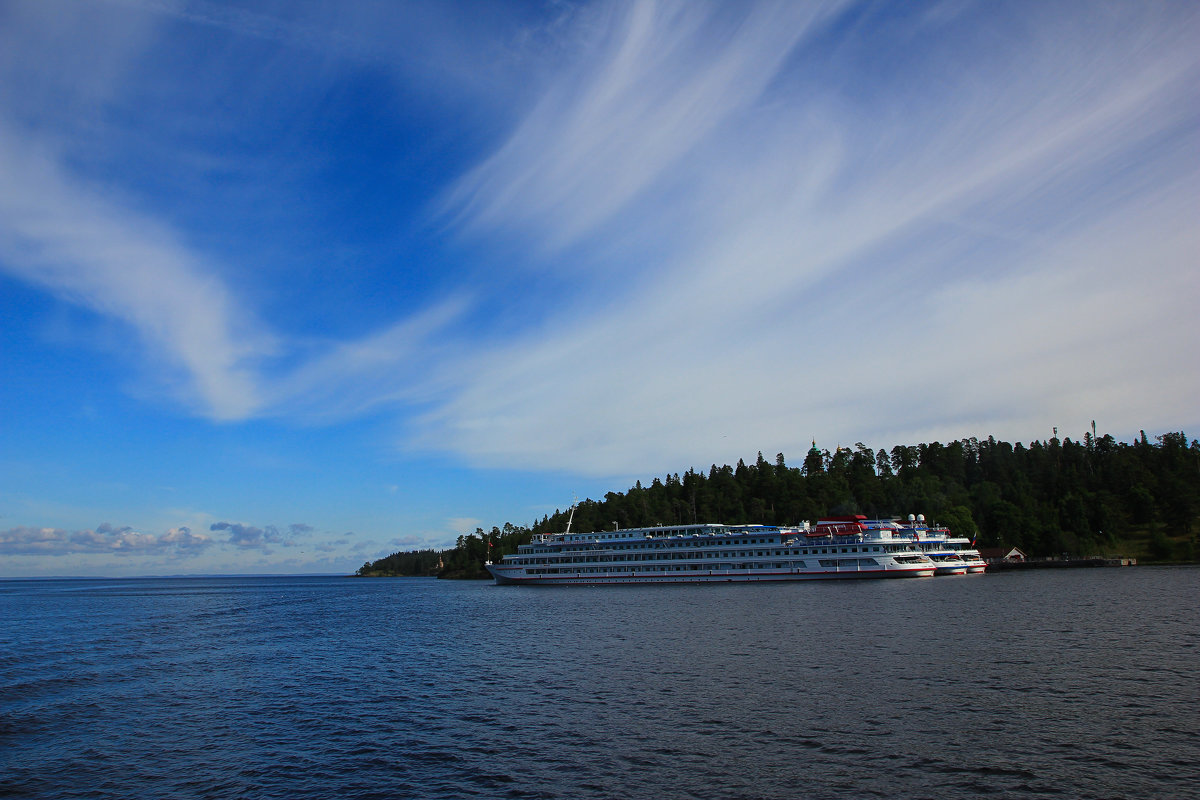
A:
289, 286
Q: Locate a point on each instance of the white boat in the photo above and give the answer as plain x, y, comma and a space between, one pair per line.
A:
971, 556
953, 555
833, 549
947, 563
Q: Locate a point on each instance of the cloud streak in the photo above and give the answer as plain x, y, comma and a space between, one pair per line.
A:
662, 78
761, 222
72, 240
819, 265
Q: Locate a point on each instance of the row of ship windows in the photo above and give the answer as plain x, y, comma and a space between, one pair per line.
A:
659, 532
742, 554
626, 534
838, 563
658, 545
785, 551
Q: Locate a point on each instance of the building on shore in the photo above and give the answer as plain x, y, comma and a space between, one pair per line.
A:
997, 555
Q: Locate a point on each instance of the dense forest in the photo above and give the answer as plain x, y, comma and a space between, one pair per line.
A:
1096, 496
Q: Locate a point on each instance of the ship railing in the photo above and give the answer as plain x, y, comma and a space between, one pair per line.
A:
846, 537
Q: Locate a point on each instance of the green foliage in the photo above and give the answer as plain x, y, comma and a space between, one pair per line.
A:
1050, 498
1161, 546
415, 562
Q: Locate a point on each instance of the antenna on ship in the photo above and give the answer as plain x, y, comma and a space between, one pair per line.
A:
575, 502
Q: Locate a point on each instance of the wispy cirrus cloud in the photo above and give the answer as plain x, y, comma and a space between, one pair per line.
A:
921, 261
392, 367
763, 222
59, 233
73, 224
659, 80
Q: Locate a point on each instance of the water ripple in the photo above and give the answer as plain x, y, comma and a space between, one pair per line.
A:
1044, 685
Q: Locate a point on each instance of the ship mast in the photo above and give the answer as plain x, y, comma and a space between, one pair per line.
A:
571, 518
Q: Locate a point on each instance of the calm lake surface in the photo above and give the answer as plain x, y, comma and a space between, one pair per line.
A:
1060, 683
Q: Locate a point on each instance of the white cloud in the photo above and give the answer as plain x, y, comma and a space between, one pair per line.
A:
754, 254
664, 78
806, 266
72, 239
251, 537
27, 541
386, 368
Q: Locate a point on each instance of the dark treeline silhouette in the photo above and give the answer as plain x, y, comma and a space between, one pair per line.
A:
1086, 497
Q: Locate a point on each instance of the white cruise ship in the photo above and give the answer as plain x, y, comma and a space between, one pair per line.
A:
836, 548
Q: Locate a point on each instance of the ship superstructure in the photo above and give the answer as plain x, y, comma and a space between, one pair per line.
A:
838, 548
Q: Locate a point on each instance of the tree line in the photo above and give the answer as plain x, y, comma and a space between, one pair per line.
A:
1081, 497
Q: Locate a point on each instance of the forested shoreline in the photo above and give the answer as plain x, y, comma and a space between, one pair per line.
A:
1094, 496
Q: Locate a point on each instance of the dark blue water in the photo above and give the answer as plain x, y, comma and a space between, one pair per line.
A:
1067, 684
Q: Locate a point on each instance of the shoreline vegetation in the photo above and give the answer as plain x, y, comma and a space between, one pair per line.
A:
1095, 498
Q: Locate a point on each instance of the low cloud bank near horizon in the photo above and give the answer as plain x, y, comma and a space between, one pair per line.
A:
178, 541
105, 538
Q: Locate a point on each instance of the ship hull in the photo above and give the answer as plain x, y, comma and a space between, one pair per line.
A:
704, 577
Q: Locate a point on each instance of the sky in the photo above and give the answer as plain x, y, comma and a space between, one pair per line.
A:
289, 286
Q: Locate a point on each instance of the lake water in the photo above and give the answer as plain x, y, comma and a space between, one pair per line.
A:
1060, 683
